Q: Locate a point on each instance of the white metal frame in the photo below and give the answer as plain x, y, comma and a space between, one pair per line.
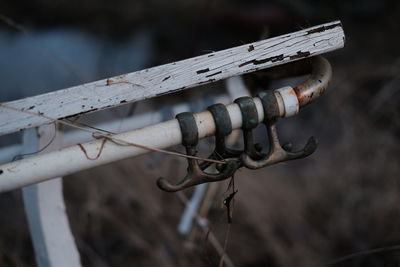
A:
52, 238
128, 88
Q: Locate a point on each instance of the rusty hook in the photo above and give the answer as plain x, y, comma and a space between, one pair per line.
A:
195, 175
276, 153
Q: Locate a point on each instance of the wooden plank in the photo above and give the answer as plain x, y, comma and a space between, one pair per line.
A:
51, 234
171, 77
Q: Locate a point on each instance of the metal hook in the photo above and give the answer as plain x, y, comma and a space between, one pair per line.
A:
249, 122
223, 128
276, 153
195, 175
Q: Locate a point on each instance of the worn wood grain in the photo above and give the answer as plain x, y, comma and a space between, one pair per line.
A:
171, 77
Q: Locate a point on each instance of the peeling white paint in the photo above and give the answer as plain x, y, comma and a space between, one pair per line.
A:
171, 77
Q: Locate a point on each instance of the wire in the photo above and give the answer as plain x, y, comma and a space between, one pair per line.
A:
20, 156
364, 253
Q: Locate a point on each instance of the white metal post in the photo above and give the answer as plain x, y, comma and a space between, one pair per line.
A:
51, 235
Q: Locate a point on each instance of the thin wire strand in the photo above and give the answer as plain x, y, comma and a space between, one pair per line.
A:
364, 253
230, 208
19, 156
105, 134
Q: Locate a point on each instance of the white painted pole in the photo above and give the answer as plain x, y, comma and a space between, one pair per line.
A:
72, 159
126, 124
51, 235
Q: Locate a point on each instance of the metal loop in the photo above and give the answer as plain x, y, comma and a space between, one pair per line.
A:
249, 122
249, 112
223, 128
223, 123
195, 174
189, 130
270, 105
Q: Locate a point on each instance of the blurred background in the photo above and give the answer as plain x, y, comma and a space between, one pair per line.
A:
342, 199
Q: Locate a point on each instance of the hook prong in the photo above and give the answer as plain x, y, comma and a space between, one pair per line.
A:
195, 174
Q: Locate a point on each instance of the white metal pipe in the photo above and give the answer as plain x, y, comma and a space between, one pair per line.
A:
72, 159
126, 124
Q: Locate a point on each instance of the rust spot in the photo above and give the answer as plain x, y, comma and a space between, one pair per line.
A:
166, 78
109, 82
300, 54
210, 75
293, 93
323, 28
251, 48
202, 71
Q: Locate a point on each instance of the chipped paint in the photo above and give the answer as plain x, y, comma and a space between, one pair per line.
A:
187, 73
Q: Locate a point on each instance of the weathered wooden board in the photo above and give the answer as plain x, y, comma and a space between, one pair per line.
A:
171, 77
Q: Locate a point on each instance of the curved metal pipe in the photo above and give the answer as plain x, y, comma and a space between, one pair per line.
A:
317, 67
315, 86
286, 102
